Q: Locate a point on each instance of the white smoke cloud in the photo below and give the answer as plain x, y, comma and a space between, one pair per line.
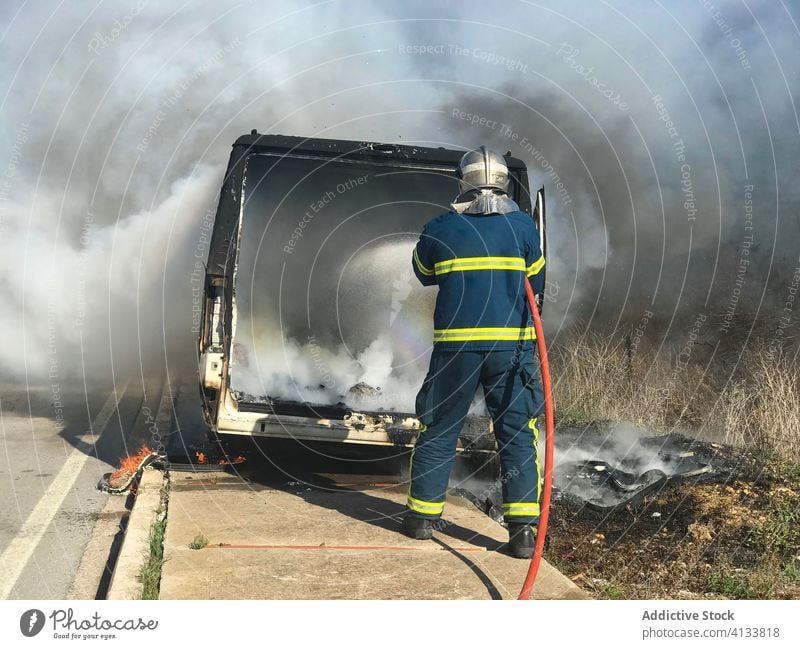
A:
107, 287
118, 120
274, 363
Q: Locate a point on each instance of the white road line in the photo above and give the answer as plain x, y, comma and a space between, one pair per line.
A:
19, 551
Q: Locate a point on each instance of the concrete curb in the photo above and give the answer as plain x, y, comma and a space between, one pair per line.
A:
125, 582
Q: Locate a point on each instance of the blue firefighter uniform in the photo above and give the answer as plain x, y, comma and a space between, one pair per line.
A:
483, 335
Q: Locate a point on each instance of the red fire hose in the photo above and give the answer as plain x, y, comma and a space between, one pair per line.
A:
536, 559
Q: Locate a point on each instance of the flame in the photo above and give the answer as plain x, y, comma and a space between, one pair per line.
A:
129, 465
237, 460
201, 457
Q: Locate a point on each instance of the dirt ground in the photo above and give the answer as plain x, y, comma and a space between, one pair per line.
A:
735, 534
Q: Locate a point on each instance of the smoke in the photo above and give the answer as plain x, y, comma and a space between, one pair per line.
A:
660, 135
118, 122
646, 123
621, 446
583, 462
68, 304
360, 360
316, 374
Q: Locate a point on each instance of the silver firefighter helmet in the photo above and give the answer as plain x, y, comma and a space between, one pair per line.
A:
482, 168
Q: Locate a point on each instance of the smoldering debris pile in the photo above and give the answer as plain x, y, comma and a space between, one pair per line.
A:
604, 467
599, 466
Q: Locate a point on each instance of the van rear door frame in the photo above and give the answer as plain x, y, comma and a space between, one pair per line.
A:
215, 336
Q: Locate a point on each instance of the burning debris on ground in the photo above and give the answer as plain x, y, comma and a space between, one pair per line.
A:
607, 466
123, 479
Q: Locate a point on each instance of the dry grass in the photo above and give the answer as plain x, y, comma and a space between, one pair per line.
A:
739, 538
736, 539
753, 403
599, 379
763, 411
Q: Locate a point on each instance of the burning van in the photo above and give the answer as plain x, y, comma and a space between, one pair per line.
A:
314, 326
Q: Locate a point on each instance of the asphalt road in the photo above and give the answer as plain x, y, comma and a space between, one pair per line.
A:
56, 445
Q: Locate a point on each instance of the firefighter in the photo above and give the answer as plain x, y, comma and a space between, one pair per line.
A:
479, 254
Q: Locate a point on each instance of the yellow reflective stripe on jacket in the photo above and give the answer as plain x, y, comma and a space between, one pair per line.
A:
424, 507
479, 263
422, 268
484, 333
521, 509
535, 267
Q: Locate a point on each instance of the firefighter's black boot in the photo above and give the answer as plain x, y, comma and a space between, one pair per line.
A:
417, 528
521, 540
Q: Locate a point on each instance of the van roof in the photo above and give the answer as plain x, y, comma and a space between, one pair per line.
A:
371, 151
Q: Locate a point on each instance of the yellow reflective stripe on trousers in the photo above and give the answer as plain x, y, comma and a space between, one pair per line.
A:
484, 333
422, 268
533, 425
535, 267
424, 507
521, 509
479, 263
